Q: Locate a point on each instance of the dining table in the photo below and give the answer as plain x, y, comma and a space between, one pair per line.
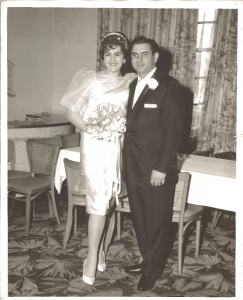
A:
213, 181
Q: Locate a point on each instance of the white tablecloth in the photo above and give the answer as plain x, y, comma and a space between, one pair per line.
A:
213, 181
60, 175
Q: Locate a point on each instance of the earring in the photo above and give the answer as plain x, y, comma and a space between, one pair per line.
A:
124, 61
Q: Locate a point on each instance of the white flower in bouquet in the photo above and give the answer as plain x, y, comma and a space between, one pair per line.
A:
94, 115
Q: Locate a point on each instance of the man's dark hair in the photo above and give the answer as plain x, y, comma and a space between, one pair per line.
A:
143, 40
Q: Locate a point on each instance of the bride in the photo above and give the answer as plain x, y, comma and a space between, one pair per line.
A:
96, 104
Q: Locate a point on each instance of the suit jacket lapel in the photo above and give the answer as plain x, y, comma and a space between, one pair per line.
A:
144, 91
147, 91
131, 95
134, 112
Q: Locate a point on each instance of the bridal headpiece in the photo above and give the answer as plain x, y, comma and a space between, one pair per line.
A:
118, 37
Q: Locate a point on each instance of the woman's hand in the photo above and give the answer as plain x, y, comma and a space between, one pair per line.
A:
122, 125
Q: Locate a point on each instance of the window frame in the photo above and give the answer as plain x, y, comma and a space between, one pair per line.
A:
196, 102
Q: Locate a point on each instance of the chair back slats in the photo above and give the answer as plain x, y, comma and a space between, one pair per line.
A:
47, 140
178, 196
206, 153
72, 173
181, 192
42, 157
226, 155
69, 141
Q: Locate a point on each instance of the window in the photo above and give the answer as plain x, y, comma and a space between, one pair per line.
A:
205, 35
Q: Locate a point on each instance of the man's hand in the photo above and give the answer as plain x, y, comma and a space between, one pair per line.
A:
157, 178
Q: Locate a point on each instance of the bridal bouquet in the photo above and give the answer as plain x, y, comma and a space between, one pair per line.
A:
103, 120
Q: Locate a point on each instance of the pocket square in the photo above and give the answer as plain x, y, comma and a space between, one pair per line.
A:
148, 105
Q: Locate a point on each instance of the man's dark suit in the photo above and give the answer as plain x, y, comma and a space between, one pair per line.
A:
153, 136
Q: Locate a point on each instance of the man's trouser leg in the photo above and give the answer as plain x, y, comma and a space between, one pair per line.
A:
152, 211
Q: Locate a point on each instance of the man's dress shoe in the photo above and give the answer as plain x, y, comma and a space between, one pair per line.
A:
135, 269
146, 283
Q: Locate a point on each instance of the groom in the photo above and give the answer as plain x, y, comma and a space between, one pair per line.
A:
155, 116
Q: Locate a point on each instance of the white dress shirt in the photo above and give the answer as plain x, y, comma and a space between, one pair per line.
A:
141, 84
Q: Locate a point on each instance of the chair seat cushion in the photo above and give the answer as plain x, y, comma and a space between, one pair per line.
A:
13, 174
28, 185
192, 211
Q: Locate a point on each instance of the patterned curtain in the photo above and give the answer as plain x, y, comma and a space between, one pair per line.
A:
218, 119
174, 29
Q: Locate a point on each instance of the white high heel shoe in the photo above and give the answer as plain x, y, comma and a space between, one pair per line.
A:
86, 279
102, 267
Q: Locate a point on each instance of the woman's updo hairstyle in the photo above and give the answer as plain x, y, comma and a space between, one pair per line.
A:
111, 40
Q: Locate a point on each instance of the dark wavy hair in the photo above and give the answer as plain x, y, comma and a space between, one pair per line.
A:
111, 40
143, 40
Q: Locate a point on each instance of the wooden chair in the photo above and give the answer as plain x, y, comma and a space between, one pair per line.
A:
43, 160
75, 199
69, 140
11, 155
12, 173
183, 214
206, 153
15, 174
217, 213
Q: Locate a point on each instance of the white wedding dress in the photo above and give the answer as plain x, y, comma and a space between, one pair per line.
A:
100, 176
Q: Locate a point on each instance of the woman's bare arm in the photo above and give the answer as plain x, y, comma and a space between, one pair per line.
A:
75, 119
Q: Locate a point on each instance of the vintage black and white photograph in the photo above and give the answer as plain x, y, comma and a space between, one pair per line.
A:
121, 149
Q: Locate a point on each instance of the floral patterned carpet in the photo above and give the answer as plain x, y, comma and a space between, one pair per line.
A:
38, 267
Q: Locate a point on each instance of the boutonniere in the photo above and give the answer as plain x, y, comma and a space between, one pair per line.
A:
153, 83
